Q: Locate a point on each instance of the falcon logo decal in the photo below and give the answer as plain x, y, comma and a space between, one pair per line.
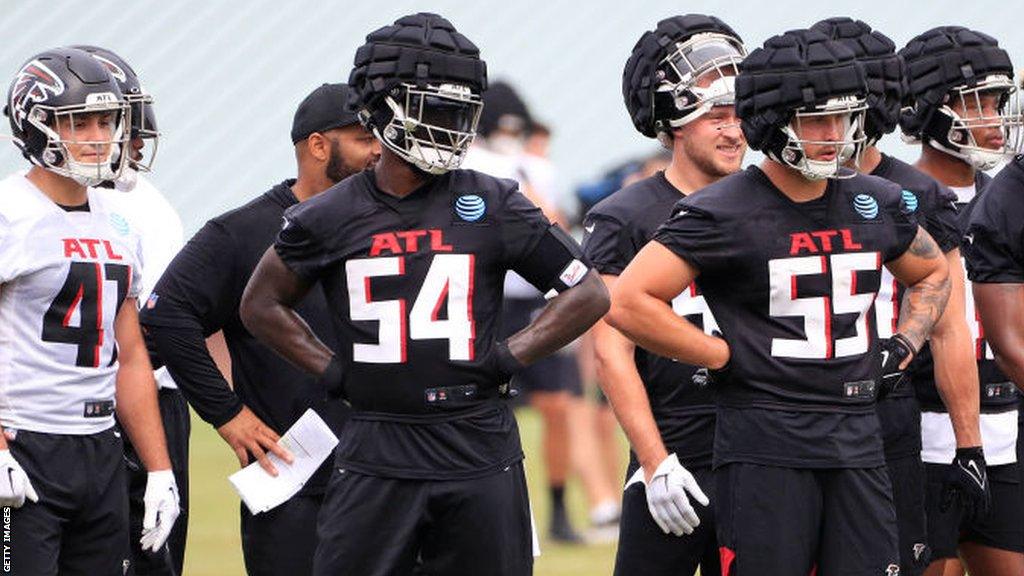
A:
114, 69
34, 83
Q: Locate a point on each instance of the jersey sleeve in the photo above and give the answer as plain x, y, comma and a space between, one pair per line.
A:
199, 289
137, 285
607, 244
941, 219
905, 225
993, 250
696, 236
8, 253
298, 247
542, 253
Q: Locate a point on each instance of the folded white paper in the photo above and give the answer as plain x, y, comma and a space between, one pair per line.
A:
310, 441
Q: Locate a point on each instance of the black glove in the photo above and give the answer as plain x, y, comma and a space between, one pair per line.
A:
333, 380
504, 365
967, 483
894, 351
705, 377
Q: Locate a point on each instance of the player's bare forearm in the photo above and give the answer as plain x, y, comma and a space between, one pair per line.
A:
621, 383
565, 318
925, 273
641, 310
267, 310
137, 410
956, 370
1001, 307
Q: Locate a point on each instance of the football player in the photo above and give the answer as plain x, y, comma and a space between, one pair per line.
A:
412, 256
959, 87
199, 294
73, 353
788, 255
161, 234
995, 266
951, 342
678, 85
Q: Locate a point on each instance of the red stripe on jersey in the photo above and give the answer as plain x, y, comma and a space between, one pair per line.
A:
727, 557
74, 304
99, 315
440, 301
402, 317
895, 305
828, 327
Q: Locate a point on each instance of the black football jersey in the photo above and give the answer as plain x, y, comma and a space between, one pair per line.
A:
792, 286
935, 207
615, 230
998, 394
994, 252
414, 287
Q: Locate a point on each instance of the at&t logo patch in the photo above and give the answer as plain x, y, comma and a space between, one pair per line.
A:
866, 206
470, 207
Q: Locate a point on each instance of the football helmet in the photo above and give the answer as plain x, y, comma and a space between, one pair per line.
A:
883, 70
143, 114
57, 88
952, 72
798, 77
417, 86
678, 71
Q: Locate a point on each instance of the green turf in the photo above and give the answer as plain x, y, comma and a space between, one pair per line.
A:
213, 539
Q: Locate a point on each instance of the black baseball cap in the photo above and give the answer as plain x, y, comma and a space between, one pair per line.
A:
324, 109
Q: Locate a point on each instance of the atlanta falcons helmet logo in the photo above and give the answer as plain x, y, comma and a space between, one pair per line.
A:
35, 83
113, 68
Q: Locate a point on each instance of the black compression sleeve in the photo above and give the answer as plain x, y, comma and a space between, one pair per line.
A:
184, 353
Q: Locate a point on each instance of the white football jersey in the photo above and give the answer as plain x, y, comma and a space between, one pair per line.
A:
159, 227
63, 277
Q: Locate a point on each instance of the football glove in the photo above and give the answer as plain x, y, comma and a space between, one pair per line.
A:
705, 377
966, 482
667, 498
503, 362
894, 351
333, 380
161, 500
15, 486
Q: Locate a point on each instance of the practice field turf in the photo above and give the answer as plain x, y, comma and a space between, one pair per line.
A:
213, 538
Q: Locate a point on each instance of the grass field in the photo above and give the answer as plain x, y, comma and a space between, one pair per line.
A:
214, 548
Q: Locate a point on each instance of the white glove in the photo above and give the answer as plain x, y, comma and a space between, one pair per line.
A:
161, 501
667, 500
15, 486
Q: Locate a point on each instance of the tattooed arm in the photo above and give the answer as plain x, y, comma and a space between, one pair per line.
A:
925, 273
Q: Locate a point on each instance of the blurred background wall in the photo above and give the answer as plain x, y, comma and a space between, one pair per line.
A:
228, 75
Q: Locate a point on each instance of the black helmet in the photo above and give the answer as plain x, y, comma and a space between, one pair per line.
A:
659, 82
417, 86
952, 66
883, 70
143, 115
54, 86
794, 75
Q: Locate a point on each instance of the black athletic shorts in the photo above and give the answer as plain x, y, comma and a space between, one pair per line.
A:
376, 526
645, 549
788, 521
1002, 528
908, 498
553, 373
169, 560
282, 541
80, 524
